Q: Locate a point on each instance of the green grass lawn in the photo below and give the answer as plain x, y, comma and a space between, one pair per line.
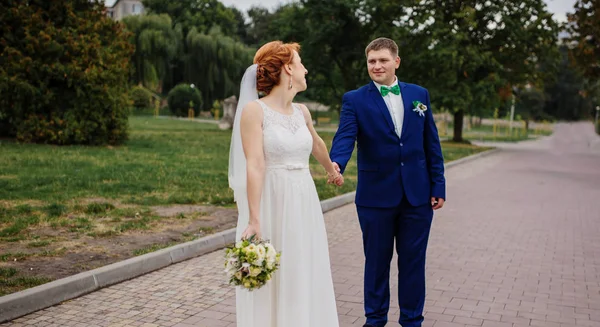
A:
486, 133
164, 162
56, 199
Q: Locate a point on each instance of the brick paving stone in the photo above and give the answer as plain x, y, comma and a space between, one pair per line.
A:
517, 244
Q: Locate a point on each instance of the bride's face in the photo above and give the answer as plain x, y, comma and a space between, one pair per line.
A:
298, 73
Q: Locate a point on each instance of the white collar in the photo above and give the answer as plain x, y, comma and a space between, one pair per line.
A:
394, 83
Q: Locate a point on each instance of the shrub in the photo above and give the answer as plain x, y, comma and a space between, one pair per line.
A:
181, 96
141, 97
64, 68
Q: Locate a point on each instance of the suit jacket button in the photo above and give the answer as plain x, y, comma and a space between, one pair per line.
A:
401, 144
402, 163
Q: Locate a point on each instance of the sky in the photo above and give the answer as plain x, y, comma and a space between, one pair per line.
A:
558, 7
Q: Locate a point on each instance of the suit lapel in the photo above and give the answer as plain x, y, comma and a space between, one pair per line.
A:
378, 100
407, 106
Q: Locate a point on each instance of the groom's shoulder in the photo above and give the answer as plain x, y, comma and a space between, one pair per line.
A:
415, 87
360, 90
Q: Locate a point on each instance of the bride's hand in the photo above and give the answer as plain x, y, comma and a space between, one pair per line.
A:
335, 178
252, 229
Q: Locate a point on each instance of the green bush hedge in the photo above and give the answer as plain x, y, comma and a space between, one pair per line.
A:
181, 96
141, 97
64, 68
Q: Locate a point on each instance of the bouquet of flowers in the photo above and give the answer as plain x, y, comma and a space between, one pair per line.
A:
250, 263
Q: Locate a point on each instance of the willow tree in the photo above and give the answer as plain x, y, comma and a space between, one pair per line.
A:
157, 43
215, 64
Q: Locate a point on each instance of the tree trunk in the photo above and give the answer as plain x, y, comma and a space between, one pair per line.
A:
458, 126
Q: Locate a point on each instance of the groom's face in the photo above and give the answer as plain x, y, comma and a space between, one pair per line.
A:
382, 66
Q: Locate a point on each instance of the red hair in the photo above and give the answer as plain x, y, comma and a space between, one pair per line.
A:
270, 59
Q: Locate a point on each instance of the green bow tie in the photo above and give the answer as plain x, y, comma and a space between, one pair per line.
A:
394, 89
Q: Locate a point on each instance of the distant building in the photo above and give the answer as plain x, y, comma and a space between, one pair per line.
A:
124, 8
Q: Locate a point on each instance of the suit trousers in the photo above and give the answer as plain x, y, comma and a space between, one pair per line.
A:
409, 227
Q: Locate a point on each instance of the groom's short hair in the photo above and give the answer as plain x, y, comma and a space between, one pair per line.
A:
382, 43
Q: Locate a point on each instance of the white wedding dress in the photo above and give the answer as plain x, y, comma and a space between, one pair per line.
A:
301, 292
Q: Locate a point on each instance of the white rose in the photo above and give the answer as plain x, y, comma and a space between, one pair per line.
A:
271, 257
250, 248
261, 251
238, 244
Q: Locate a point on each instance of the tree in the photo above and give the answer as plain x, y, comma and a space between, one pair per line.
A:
565, 98
471, 49
215, 64
584, 28
530, 105
241, 30
63, 72
259, 30
157, 43
333, 35
461, 73
200, 14
266, 26
198, 24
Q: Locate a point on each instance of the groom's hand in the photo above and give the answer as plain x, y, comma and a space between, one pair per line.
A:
337, 180
437, 203
337, 167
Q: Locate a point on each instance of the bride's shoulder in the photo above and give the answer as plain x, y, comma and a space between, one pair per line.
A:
252, 111
303, 108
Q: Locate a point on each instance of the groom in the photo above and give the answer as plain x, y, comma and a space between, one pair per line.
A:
400, 181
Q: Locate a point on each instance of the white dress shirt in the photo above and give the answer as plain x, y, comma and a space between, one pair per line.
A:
395, 105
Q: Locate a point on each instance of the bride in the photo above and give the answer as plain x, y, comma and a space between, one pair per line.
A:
276, 197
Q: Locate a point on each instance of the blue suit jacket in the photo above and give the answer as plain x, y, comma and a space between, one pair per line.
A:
390, 167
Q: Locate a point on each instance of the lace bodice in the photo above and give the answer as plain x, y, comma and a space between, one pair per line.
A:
287, 142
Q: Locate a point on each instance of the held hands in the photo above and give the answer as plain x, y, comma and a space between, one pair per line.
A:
335, 177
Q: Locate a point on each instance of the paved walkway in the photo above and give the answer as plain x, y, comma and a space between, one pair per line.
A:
518, 244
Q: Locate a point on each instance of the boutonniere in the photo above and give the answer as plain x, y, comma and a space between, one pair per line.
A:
419, 108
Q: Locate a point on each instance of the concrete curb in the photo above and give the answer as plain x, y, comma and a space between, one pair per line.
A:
21, 303
40, 297
471, 158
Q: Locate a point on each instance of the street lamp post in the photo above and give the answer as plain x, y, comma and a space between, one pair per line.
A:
596, 127
512, 115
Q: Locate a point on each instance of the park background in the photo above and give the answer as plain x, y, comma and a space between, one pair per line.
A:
113, 140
